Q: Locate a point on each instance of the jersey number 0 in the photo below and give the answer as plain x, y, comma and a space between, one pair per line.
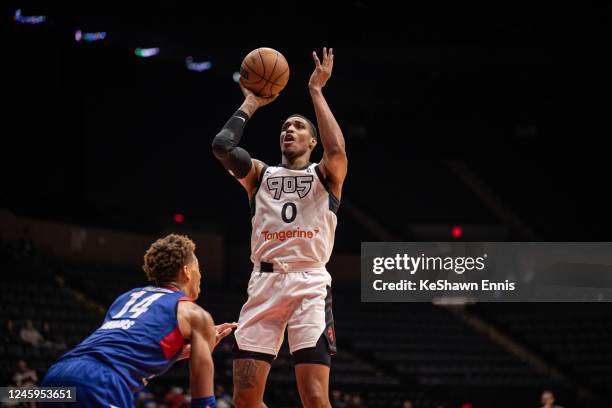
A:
285, 210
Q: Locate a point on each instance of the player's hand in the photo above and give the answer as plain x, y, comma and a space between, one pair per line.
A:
224, 330
322, 71
259, 101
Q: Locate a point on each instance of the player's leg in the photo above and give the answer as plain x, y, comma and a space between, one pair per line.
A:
260, 332
312, 337
312, 374
250, 375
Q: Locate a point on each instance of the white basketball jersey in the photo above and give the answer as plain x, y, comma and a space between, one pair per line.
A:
293, 216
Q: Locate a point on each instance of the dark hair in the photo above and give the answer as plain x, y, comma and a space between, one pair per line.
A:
166, 256
313, 128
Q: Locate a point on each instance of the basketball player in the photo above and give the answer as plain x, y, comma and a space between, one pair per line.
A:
293, 207
144, 332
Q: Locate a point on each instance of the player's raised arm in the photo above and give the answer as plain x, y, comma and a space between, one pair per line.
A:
225, 144
335, 163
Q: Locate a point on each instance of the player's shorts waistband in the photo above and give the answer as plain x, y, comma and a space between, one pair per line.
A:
286, 267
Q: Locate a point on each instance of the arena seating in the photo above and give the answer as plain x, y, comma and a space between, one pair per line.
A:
575, 336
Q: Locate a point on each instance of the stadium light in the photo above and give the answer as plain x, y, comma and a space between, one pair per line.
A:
146, 52
197, 66
91, 37
28, 19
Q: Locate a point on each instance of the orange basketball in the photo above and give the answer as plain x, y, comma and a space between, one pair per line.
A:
264, 71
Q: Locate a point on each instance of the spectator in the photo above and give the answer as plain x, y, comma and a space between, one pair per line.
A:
143, 398
357, 402
175, 398
224, 400
188, 397
51, 339
24, 376
337, 401
30, 335
226, 349
407, 404
9, 333
548, 400
348, 400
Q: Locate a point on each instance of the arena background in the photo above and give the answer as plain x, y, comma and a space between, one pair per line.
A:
481, 122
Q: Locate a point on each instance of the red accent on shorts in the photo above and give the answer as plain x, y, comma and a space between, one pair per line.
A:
172, 343
185, 299
330, 333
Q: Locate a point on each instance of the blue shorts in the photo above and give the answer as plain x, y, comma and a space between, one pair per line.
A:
97, 385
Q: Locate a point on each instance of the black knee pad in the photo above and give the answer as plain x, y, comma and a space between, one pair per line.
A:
319, 354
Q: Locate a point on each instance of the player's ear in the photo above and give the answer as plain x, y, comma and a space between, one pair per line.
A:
313, 142
186, 272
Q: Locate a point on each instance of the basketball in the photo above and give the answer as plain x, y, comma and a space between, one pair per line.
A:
264, 71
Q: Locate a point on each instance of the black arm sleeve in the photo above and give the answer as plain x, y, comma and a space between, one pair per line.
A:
225, 146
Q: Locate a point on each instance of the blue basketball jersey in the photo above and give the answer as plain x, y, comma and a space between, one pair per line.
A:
139, 338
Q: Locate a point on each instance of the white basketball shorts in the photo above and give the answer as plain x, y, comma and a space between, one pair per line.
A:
296, 299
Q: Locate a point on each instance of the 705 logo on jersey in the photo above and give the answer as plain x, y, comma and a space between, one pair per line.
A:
290, 184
